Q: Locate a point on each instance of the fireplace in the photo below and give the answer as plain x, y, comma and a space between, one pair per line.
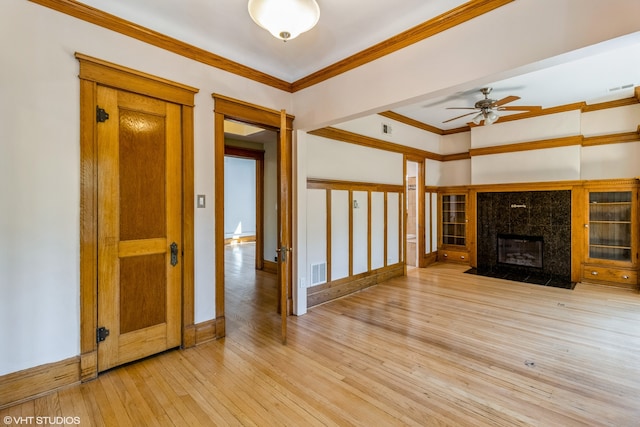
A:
525, 236
520, 250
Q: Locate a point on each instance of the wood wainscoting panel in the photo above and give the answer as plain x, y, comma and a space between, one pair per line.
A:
30, 383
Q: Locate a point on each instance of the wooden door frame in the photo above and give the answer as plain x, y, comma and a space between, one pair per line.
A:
258, 156
229, 108
95, 72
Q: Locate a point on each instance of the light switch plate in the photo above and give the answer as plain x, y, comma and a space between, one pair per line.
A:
201, 201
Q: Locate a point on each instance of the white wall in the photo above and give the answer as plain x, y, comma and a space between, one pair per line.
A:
455, 143
40, 171
339, 234
610, 161
360, 232
553, 164
557, 164
239, 196
371, 126
616, 160
330, 159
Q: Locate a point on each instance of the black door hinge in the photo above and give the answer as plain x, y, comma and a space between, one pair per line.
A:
101, 115
101, 334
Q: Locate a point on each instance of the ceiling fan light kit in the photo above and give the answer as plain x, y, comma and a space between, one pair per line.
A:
486, 108
285, 19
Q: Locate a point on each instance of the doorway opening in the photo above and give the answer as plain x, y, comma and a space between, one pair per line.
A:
411, 199
281, 124
250, 223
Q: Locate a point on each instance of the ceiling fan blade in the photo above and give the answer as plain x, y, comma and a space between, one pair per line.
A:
459, 117
461, 108
521, 108
505, 100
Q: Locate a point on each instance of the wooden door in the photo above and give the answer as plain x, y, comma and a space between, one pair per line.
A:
139, 226
284, 221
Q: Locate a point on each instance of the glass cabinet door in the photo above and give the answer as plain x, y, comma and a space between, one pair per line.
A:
454, 219
610, 225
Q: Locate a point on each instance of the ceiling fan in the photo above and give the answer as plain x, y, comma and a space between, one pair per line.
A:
486, 108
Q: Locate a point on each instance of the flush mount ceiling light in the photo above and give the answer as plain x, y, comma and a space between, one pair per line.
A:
285, 19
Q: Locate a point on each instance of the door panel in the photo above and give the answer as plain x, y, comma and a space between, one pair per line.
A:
284, 221
139, 217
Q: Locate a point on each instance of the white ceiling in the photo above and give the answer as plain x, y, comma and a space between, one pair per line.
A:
346, 27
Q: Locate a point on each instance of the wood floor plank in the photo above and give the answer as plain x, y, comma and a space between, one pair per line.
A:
435, 348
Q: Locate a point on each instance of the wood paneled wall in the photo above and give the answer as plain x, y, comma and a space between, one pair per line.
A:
360, 239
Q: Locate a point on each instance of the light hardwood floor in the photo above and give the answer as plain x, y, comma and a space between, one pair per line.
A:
438, 347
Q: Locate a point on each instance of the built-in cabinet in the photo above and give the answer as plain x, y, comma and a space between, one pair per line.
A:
453, 237
611, 223
604, 227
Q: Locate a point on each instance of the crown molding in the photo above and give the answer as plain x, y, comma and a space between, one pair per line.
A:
354, 138
418, 33
366, 141
526, 146
411, 122
443, 22
111, 22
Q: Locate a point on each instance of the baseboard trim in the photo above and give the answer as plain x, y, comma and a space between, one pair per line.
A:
348, 285
33, 382
206, 331
270, 266
221, 327
89, 366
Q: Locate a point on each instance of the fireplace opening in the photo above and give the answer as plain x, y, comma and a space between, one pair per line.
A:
519, 250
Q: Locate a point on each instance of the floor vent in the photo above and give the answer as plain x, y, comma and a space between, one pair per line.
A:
318, 273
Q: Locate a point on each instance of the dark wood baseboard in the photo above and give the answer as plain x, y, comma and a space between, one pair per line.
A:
348, 285
33, 382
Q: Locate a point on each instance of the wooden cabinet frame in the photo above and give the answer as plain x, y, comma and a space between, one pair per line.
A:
609, 271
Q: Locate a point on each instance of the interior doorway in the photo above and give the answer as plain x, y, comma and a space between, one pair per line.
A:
281, 124
249, 224
414, 224
411, 200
